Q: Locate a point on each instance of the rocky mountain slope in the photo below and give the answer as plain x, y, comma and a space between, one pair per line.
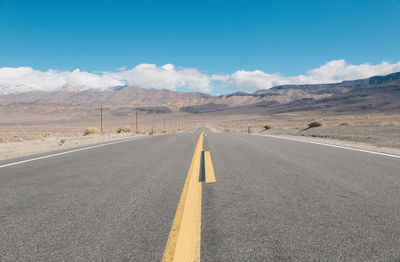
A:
380, 93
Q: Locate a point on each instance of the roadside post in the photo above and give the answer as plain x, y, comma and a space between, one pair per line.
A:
101, 119
136, 126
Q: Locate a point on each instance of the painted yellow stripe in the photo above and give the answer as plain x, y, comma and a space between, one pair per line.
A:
184, 239
209, 169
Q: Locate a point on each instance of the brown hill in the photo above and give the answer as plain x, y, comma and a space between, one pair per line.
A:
379, 93
126, 99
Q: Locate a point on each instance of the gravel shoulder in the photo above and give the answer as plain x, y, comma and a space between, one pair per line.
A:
384, 139
9, 150
377, 138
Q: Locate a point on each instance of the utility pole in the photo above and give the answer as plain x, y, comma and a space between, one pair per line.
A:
164, 125
101, 119
179, 124
153, 127
137, 130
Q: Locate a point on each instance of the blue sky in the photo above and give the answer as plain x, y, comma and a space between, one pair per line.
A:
213, 37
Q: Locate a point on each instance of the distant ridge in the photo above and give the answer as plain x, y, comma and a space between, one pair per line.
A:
378, 93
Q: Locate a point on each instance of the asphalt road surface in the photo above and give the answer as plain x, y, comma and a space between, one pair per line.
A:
273, 200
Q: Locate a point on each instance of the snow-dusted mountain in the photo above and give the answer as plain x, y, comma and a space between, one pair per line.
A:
375, 93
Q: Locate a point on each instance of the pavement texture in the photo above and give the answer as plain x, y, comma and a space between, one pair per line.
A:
274, 200
282, 200
112, 203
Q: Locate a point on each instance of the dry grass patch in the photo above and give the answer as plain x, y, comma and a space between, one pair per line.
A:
125, 129
47, 134
268, 126
315, 124
62, 141
91, 131
19, 139
389, 123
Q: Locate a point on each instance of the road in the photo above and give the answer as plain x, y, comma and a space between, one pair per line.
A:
273, 200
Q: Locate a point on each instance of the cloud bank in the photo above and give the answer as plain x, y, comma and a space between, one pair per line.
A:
166, 76
331, 72
23, 79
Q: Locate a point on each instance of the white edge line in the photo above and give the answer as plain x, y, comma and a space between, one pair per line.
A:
324, 144
67, 152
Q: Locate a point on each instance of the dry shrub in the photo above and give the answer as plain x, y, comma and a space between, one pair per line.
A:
389, 123
36, 136
2, 140
345, 124
268, 126
315, 124
47, 134
31, 137
125, 129
90, 131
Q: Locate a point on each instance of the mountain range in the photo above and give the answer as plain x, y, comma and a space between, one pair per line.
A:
378, 93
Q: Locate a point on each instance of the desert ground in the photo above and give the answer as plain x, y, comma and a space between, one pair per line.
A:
22, 134
370, 131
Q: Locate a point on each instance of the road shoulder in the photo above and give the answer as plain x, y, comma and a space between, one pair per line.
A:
342, 143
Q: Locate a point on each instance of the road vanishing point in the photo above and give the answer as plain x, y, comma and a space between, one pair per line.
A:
201, 196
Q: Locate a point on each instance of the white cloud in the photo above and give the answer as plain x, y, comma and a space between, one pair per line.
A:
22, 79
339, 70
166, 76
331, 72
250, 80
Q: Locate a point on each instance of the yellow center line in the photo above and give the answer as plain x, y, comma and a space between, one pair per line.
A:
209, 169
185, 236
184, 239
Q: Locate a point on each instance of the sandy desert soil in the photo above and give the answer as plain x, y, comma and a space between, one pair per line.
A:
376, 132
379, 136
17, 149
382, 140
23, 135
18, 128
